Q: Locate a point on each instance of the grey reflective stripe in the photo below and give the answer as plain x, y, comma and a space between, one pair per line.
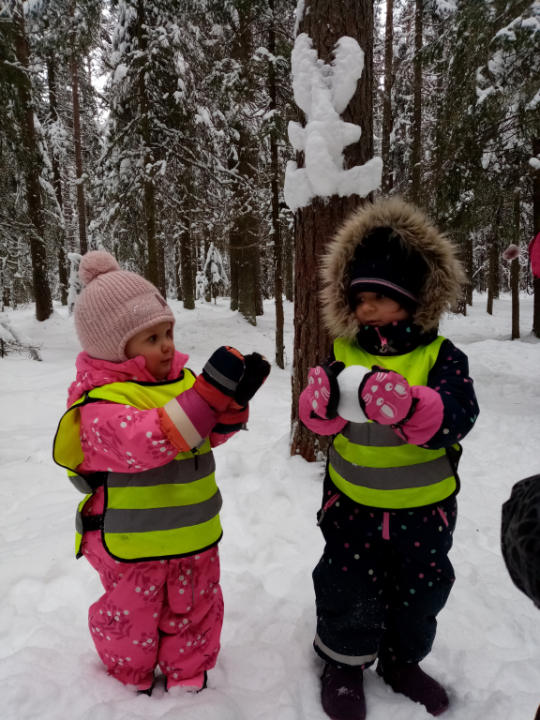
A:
345, 659
81, 484
179, 472
165, 518
79, 523
371, 434
394, 478
221, 379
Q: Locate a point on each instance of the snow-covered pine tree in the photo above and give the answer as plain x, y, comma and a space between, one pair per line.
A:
215, 273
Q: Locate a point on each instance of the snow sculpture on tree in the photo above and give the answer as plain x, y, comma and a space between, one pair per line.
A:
214, 272
75, 284
200, 282
323, 92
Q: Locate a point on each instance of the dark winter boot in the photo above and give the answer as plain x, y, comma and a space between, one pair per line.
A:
414, 683
342, 693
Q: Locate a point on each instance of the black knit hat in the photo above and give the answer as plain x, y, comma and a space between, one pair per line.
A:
520, 536
383, 265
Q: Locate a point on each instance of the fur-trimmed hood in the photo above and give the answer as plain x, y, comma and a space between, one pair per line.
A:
444, 281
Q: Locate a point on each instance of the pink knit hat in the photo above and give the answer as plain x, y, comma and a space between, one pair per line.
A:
114, 306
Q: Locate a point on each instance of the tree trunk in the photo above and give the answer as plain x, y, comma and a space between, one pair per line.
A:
497, 271
79, 169
288, 258
244, 234
493, 262
325, 22
276, 230
259, 307
188, 289
161, 265
536, 230
177, 266
154, 275
63, 279
416, 145
32, 165
514, 270
233, 260
388, 121
469, 267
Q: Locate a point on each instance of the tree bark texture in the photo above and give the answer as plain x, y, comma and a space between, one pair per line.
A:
536, 226
276, 230
388, 120
325, 22
32, 164
79, 166
416, 145
288, 261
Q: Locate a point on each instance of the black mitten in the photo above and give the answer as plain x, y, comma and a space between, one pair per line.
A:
257, 370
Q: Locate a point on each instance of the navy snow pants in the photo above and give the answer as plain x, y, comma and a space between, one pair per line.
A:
382, 580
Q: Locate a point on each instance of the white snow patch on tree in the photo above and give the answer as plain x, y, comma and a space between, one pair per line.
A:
323, 92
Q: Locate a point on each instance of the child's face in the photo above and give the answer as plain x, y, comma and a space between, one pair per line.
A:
156, 345
378, 310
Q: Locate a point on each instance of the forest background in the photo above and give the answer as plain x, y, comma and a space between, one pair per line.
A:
157, 130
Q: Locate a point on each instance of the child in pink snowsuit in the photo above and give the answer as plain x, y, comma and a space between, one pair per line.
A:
137, 439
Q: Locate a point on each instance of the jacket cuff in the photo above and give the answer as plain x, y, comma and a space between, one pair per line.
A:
187, 420
318, 425
427, 417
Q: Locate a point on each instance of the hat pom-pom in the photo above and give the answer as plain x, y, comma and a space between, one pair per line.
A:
511, 253
95, 263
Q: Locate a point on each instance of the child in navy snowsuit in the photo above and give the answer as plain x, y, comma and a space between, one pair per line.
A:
389, 504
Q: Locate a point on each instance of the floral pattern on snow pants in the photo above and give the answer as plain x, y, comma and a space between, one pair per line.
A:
166, 612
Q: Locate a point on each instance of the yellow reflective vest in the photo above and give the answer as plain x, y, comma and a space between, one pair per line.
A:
371, 464
168, 511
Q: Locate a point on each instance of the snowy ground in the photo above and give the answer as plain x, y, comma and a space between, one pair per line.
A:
488, 647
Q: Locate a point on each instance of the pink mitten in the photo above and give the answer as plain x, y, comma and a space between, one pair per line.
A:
386, 397
323, 390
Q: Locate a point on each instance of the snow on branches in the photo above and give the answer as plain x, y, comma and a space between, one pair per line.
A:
75, 284
213, 277
323, 92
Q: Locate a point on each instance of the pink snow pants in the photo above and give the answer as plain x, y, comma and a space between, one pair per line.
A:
166, 612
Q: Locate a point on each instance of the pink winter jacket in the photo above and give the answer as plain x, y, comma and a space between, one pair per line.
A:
118, 438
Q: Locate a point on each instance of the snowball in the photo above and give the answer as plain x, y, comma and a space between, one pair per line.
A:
94, 263
349, 380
